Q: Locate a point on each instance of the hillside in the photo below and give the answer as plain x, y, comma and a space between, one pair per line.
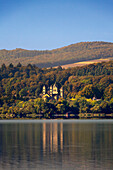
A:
83, 63
83, 51
21, 90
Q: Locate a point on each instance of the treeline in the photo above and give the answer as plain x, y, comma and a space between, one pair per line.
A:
38, 108
23, 85
95, 80
83, 51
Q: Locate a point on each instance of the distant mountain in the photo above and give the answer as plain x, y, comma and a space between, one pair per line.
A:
83, 51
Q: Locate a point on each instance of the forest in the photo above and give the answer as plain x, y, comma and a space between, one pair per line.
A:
83, 51
87, 89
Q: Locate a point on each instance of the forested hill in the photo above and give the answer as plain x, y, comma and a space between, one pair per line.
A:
83, 51
30, 79
21, 90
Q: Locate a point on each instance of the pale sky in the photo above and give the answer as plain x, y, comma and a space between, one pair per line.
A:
48, 24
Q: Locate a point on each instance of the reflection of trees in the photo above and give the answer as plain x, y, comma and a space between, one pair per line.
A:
20, 142
92, 141
77, 142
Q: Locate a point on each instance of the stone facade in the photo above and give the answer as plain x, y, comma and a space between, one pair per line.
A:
53, 92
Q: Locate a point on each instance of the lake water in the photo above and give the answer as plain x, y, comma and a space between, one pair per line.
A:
76, 144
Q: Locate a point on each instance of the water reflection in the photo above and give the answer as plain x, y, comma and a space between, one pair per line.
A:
56, 145
52, 137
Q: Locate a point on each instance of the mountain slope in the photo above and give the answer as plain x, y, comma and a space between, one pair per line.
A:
83, 51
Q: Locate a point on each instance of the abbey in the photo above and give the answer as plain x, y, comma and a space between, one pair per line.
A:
53, 92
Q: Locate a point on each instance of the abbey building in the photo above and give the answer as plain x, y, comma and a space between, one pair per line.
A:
53, 92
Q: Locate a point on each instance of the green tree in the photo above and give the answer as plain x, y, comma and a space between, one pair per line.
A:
88, 91
23, 92
108, 93
62, 106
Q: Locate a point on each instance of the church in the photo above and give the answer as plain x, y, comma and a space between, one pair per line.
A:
52, 92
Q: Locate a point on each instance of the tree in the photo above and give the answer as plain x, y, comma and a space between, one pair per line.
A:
111, 105
59, 68
3, 67
62, 106
19, 65
23, 92
81, 105
38, 105
108, 93
88, 91
11, 65
8, 91
84, 106
96, 108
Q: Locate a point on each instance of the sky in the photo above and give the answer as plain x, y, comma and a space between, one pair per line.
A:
51, 24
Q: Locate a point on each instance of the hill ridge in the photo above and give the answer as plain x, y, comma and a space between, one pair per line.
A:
82, 51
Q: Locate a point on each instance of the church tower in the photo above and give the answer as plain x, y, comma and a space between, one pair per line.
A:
51, 90
61, 92
55, 89
44, 90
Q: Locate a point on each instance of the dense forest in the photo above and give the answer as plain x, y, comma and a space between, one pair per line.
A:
87, 89
73, 53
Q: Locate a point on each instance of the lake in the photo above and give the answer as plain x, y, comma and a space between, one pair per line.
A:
56, 144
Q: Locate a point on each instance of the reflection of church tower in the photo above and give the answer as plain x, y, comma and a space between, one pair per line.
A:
55, 137
61, 136
52, 137
61, 92
44, 90
44, 137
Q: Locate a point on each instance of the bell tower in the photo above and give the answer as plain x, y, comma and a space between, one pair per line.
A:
61, 92
51, 90
55, 89
44, 90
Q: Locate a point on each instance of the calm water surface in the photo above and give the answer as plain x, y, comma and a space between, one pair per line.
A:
80, 145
